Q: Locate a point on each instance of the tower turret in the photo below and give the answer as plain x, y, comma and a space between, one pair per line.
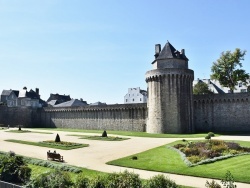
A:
170, 95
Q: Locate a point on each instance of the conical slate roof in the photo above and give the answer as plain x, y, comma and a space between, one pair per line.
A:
169, 52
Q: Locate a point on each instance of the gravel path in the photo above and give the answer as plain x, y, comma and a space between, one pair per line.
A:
100, 152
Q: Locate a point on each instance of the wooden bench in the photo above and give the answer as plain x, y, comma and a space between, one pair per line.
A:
54, 156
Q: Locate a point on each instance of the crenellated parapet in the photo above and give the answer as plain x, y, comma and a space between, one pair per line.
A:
222, 112
222, 98
142, 106
160, 74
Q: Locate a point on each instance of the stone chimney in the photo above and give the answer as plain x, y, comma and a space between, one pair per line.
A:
183, 51
157, 50
37, 91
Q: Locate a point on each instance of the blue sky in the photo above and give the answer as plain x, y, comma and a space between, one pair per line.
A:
96, 50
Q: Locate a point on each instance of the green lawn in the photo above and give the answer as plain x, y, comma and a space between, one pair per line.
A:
41, 144
130, 133
162, 159
27, 131
109, 138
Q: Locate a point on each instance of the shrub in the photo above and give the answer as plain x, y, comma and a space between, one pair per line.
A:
211, 134
212, 154
55, 179
124, 180
178, 146
57, 138
104, 134
233, 145
19, 127
208, 137
212, 184
194, 159
14, 169
217, 142
160, 181
97, 182
191, 151
134, 157
219, 148
81, 181
228, 181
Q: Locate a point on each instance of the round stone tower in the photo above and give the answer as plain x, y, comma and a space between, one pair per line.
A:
170, 92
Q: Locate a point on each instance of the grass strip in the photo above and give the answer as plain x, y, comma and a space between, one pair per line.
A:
48, 145
162, 159
109, 138
27, 131
130, 133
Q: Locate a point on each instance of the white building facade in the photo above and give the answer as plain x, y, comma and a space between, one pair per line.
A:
216, 87
135, 95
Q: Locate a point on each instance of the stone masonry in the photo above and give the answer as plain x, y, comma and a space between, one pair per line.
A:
170, 101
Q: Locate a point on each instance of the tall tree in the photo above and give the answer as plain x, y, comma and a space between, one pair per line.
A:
201, 88
227, 69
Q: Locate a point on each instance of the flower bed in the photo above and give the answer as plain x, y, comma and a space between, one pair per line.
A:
209, 151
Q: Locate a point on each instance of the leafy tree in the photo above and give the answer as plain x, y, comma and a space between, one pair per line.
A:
227, 69
201, 88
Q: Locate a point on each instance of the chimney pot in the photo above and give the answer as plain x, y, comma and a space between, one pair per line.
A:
157, 50
183, 51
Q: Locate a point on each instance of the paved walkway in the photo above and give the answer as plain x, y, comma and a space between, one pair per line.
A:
100, 152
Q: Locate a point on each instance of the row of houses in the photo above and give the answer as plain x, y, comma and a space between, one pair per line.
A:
31, 98
217, 88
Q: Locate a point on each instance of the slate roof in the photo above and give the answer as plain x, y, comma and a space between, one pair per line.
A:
8, 92
73, 102
169, 52
59, 98
143, 92
28, 94
98, 104
52, 102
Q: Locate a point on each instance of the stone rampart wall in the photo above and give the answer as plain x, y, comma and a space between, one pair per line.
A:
125, 117
15, 116
217, 112
222, 112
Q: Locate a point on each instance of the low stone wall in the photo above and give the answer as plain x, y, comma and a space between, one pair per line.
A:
4, 184
125, 117
222, 112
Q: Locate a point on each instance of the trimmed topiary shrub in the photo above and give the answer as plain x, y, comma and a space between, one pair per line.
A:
134, 157
160, 181
211, 134
57, 138
104, 134
19, 127
208, 137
